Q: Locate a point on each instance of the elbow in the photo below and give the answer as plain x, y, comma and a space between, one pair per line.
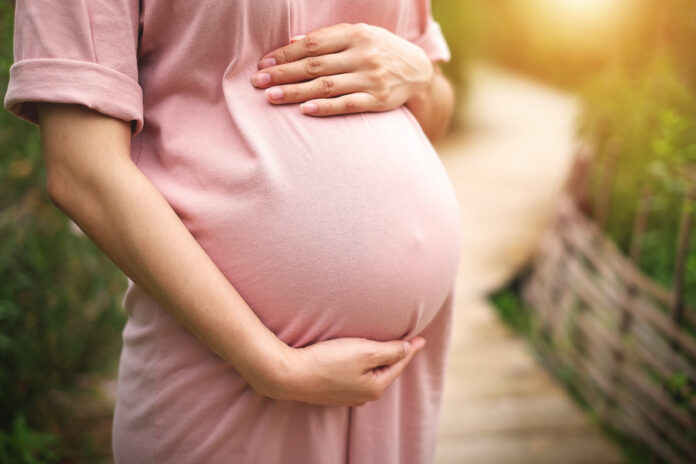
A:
447, 110
441, 127
65, 189
439, 124
82, 149
57, 188
438, 131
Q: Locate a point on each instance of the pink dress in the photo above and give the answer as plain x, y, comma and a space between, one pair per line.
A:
328, 227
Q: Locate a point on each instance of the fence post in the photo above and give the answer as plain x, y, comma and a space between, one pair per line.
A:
602, 203
640, 225
677, 312
621, 357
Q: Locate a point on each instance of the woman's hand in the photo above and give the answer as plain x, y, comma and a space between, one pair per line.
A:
340, 372
346, 68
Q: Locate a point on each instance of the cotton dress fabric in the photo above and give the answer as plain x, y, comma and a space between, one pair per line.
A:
327, 227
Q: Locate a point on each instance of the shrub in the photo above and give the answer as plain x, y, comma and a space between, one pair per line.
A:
648, 127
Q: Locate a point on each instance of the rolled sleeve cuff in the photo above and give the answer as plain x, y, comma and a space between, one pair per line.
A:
69, 81
434, 43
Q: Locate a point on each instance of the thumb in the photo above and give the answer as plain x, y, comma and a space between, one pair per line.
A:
392, 371
387, 353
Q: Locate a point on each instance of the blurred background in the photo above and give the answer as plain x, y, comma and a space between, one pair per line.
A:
573, 154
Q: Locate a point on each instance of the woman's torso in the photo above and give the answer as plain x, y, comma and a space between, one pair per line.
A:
328, 227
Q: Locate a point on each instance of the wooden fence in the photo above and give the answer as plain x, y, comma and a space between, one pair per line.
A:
626, 344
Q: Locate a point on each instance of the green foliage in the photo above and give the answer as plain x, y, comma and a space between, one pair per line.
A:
674, 145
510, 308
645, 135
636, 73
459, 25
23, 445
462, 30
60, 314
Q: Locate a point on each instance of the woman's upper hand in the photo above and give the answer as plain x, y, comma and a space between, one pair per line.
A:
345, 68
340, 372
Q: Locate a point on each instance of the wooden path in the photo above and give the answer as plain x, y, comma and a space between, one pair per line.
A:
499, 405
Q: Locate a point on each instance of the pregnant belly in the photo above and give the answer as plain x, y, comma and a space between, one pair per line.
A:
328, 228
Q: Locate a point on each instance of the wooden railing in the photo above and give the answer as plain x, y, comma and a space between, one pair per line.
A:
627, 343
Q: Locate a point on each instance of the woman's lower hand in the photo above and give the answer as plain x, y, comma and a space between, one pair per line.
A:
345, 68
342, 371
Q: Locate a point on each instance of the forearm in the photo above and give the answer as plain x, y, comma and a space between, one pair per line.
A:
433, 106
99, 187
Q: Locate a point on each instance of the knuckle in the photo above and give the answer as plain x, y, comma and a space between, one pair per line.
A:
313, 66
378, 77
375, 389
372, 57
279, 75
310, 44
382, 96
285, 55
289, 93
350, 106
362, 29
372, 355
327, 86
375, 393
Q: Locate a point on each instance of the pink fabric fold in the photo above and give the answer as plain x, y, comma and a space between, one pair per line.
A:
70, 81
433, 42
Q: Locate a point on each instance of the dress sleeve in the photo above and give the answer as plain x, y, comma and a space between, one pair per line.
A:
76, 51
425, 32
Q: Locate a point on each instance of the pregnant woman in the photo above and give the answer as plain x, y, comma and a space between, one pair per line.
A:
290, 235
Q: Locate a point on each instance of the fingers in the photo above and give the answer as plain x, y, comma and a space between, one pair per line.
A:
295, 38
303, 70
319, 42
386, 375
321, 87
346, 104
387, 353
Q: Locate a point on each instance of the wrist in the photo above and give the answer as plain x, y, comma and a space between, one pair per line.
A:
421, 89
286, 376
268, 370
283, 373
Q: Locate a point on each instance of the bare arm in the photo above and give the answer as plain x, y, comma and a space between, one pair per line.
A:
92, 179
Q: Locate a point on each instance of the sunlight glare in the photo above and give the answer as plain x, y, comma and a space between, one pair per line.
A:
585, 13
581, 5
585, 8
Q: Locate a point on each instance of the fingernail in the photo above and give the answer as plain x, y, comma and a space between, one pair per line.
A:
261, 79
275, 93
407, 348
267, 63
297, 37
309, 107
